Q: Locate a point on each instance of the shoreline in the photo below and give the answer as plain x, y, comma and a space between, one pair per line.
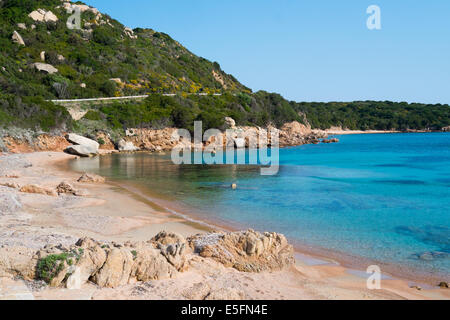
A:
325, 256
124, 215
321, 255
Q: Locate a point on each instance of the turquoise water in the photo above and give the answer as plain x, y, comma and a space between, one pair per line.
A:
382, 197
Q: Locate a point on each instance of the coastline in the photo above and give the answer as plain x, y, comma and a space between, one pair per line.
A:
322, 256
141, 217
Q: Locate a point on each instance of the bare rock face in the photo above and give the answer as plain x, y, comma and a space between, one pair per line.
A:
66, 188
82, 151
41, 15
32, 188
230, 122
17, 38
247, 251
83, 146
44, 67
173, 248
127, 146
111, 265
17, 261
91, 178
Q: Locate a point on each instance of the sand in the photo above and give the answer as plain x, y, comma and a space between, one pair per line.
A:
112, 213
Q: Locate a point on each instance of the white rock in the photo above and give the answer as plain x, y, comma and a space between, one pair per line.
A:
239, 143
83, 85
61, 57
37, 15
77, 139
17, 38
22, 26
42, 56
125, 146
50, 17
47, 68
82, 151
230, 122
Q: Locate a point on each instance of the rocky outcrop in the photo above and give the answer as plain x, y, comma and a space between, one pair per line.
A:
107, 264
91, 178
66, 188
82, 151
230, 123
83, 147
41, 15
32, 188
17, 38
247, 251
126, 146
44, 67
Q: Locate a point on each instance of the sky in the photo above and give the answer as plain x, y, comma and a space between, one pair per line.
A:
314, 50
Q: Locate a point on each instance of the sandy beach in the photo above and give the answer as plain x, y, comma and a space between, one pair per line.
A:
108, 212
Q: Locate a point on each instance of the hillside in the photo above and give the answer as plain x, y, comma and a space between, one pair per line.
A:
42, 59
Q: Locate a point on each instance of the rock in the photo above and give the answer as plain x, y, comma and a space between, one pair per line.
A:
17, 261
117, 80
230, 122
41, 15
247, 251
443, 285
61, 58
83, 85
83, 141
234, 186
91, 178
82, 151
3, 69
22, 26
172, 247
239, 143
296, 127
50, 17
37, 15
65, 188
17, 38
11, 185
31, 188
113, 265
42, 55
127, 146
44, 67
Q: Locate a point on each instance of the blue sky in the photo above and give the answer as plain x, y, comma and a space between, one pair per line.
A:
315, 50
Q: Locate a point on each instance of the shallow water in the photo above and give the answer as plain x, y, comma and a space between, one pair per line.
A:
382, 197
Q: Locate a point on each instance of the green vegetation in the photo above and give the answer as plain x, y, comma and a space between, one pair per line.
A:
50, 266
373, 115
151, 63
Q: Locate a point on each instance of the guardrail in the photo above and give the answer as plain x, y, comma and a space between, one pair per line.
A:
128, 97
